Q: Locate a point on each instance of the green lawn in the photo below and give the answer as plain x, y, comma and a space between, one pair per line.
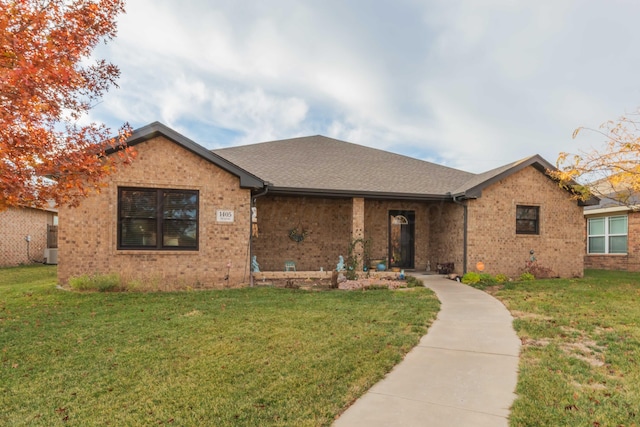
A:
580, 361
254, 356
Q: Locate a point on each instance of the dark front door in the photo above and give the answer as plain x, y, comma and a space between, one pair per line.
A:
401, 238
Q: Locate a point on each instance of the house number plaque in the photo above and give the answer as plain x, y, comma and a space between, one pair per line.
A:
224, 216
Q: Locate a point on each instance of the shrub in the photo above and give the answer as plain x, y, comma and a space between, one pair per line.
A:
487, 279
413, 282
501, 278
98, 282
526, 277
471, 278
107, 282
479, 280
80, 283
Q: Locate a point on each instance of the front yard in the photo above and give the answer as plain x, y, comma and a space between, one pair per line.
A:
255, 356
267, 356
580, 361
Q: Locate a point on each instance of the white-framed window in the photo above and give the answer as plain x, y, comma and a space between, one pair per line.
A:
607, 235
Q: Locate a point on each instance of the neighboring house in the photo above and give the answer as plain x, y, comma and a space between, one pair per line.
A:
613, 235
183, 214
26, 235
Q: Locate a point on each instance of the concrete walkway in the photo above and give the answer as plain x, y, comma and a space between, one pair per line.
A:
462, 373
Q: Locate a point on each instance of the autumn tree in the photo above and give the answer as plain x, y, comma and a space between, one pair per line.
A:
48, 83
612, 171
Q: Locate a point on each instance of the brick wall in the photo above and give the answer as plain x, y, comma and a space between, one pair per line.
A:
87, 236
446, 243
492, 239
330, 226
15, 225
628, 262
327, 223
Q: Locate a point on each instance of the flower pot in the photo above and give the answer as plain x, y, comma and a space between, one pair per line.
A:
373, 264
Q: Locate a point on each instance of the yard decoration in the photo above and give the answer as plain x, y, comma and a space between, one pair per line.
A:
297, 236
254, 221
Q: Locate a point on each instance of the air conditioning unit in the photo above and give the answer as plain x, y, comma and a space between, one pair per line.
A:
51, 256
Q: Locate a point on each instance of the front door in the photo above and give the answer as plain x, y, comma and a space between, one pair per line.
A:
401, 238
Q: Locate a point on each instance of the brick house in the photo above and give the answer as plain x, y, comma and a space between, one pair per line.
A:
27, 235
183, 214
613, 235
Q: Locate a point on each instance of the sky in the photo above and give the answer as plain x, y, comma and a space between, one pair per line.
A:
464, 83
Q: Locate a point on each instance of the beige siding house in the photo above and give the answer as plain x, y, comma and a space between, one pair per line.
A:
186, 216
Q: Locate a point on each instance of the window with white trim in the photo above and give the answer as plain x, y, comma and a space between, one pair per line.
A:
607, 235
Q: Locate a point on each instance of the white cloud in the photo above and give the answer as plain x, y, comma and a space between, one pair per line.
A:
472, 84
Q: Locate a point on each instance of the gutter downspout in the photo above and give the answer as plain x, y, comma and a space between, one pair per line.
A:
464, 234
252, 205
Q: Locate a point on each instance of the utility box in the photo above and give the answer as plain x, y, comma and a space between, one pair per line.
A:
51, 256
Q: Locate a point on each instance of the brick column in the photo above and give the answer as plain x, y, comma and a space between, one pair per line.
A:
357, 227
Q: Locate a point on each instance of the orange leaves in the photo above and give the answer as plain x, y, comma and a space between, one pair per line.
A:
45, 87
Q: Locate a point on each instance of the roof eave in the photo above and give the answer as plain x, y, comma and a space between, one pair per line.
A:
319, 192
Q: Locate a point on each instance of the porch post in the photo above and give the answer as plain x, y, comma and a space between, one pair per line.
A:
357, 228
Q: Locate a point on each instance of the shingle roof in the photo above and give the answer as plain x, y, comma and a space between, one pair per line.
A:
616, 200
318, 164
326, 166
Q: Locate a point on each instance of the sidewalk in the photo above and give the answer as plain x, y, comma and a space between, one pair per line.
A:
462, 373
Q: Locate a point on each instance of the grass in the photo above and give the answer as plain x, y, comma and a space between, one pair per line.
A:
580, 360
254, 356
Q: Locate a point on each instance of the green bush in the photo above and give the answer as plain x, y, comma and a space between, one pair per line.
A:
471, 278
480, 280
413, 282
526, 277
80, 283
502, 278
97, 282
107, 282
487, 279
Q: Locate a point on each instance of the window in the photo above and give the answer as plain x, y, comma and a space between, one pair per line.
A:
150, 218
527, 220
607, 235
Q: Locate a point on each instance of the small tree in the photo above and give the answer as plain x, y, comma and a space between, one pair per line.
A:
47, 85
613, 171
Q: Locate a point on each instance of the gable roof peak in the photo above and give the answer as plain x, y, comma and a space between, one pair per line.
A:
155, 129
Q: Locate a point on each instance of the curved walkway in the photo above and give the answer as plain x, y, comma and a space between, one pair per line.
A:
462, 373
